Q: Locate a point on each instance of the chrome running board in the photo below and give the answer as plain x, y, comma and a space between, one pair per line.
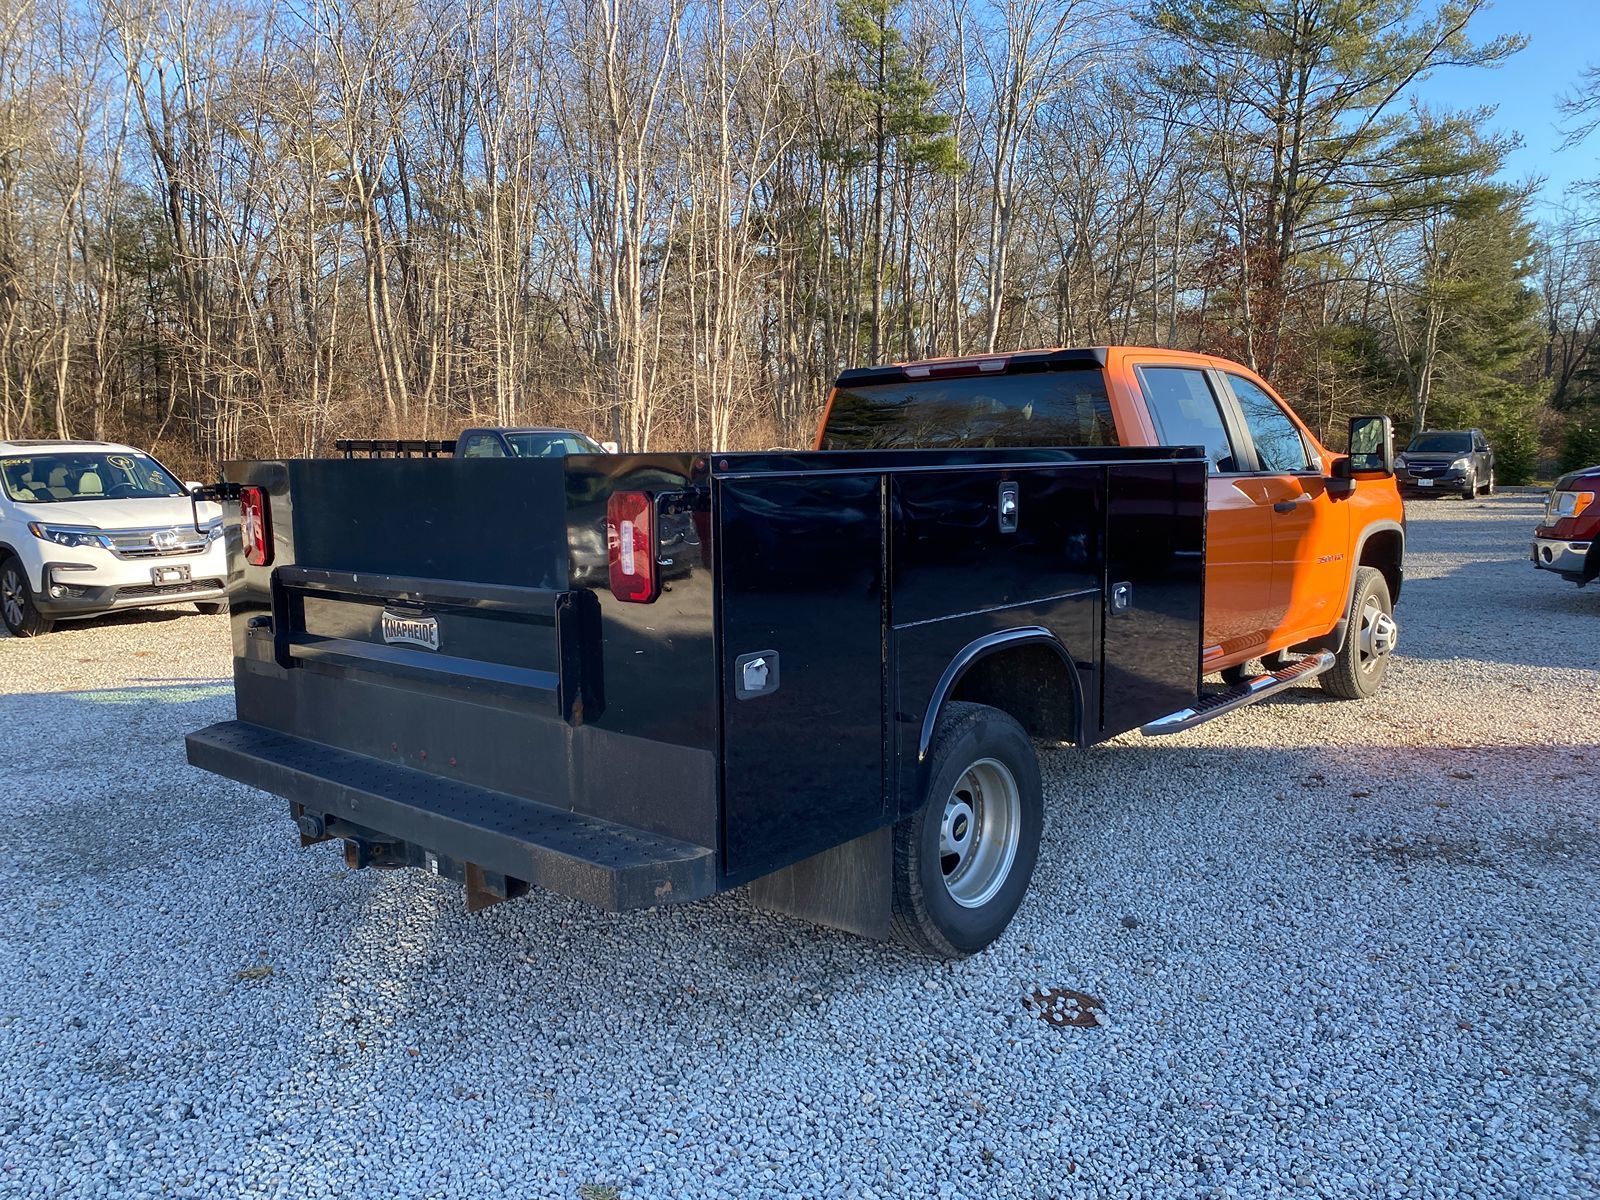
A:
1248, 692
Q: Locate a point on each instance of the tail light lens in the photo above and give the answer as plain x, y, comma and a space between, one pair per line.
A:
631, 546
255, 526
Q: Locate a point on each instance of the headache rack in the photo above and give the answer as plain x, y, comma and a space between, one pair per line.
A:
395, 447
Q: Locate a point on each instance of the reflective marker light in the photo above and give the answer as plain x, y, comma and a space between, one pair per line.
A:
631, 546
254, 526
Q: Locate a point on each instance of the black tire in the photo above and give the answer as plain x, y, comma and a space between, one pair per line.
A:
1470, 491
1489, 490
211, 607
973, 742
1363, 661
21, 618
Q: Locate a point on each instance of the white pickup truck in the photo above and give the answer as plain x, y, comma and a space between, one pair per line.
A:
93, 527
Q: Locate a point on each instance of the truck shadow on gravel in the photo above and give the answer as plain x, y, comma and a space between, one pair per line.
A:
1098, 832
105, 808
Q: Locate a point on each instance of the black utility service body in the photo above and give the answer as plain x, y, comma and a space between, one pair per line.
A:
431, 666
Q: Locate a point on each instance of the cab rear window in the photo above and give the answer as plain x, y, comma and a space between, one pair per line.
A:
1044, 408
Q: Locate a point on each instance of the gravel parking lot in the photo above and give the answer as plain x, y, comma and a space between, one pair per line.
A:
1345, 950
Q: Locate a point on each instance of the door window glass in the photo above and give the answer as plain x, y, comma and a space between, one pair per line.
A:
482, 445
1186, 414
1279, 445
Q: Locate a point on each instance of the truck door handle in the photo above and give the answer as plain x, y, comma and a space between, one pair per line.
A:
1286, 506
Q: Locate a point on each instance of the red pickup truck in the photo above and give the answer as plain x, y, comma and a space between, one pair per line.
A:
1567, 540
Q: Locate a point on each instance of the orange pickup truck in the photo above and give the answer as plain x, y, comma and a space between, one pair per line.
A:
1304, 547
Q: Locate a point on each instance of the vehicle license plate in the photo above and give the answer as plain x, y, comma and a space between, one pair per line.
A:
169, 574
1424, 483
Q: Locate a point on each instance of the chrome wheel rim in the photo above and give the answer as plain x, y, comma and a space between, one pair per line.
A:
1379, 634
12, 596
979, 831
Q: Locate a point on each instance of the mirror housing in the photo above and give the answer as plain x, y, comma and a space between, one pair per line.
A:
1371, 446
609, 447
1340, 481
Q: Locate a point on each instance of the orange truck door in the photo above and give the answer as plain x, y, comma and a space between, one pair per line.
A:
1310, 530
1240, 609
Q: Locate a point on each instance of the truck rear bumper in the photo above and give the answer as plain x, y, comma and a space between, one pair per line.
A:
612, 866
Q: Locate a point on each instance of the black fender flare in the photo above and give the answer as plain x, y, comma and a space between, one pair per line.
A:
983, 647
1360, 547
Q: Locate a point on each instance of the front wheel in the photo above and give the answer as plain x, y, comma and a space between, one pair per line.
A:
21, 618
963, 860
211, 607
1470, 491
1369, 641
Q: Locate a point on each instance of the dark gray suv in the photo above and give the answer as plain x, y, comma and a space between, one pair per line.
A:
1447, 460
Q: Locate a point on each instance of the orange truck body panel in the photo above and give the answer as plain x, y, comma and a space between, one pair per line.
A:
1281, 552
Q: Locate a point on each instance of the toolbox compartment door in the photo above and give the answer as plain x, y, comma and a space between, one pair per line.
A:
800, 571
1154, 591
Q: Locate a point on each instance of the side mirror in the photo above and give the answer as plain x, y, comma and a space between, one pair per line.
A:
1371, 446
609, 447
190, 486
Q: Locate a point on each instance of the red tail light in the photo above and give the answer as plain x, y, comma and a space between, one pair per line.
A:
631, 546
255, 526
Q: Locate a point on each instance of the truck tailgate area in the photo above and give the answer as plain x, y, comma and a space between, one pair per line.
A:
421, 672
351, 795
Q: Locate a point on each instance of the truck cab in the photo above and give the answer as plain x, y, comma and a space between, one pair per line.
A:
1290, 523
526, 442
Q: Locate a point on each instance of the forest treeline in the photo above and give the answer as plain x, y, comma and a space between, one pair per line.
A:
246, 227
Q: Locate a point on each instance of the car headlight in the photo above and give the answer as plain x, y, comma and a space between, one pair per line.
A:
1570, 504
213, 529
1461, 464
68, 535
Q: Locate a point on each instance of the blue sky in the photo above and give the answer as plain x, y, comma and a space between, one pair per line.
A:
1564, 37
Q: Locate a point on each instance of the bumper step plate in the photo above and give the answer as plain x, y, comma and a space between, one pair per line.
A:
613, 866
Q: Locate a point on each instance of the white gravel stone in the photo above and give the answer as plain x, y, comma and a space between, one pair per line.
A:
1364, 961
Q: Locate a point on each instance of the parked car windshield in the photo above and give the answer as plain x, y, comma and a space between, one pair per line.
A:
551, 445
1050, 408
1440, 443
75, 475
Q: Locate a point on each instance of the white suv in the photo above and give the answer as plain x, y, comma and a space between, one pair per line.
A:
91, 527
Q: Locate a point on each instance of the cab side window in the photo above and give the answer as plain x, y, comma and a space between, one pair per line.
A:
1279, 446
482, 445
1186, 413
